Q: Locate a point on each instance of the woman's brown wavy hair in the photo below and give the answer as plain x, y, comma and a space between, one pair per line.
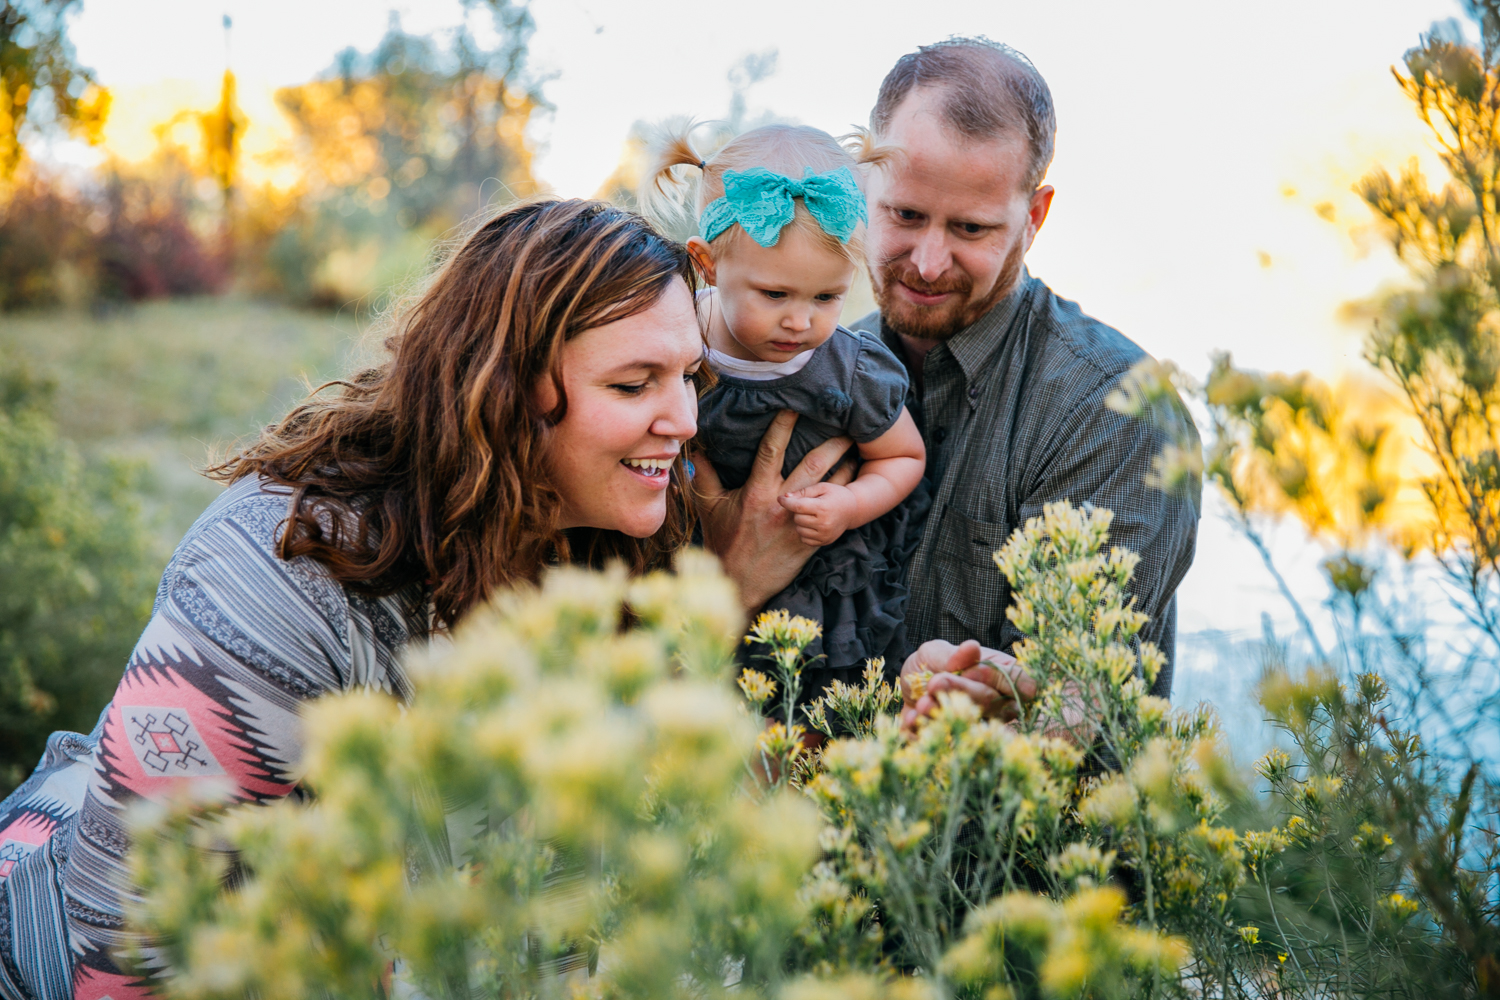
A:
430, 468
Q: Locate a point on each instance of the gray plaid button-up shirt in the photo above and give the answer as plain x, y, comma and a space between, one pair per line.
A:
1013, 413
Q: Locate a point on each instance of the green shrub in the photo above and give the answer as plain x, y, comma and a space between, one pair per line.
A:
75, 584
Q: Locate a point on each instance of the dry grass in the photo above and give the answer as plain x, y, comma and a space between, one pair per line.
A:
163, 384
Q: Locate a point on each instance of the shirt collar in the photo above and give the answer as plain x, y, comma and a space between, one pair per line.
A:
974, 345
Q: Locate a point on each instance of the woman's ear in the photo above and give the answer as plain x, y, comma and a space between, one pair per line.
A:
703, 259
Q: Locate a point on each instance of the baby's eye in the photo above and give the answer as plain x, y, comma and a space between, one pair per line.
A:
775, 295
827, 296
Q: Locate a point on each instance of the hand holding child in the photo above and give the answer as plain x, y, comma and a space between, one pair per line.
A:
822, 512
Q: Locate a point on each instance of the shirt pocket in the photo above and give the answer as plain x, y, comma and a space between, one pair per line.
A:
972, 595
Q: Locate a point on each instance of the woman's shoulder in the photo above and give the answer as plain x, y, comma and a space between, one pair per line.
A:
242, 526
230, 582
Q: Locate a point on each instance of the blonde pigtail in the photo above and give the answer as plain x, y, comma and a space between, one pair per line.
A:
866, 149
664, 188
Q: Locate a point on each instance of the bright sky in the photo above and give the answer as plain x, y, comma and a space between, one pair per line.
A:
1194, 142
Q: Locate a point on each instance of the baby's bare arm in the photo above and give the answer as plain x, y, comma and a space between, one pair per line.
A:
893, 465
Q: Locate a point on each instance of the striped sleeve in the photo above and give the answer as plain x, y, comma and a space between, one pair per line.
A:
238, 640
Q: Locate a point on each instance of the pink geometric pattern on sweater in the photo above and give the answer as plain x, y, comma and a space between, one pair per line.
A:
165, 741
162, 730
22, 837
95, 984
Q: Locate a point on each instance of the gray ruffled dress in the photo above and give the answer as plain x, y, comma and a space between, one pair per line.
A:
856, 587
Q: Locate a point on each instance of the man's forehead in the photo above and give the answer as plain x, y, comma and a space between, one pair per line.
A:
923, 113
957, 174
925, 143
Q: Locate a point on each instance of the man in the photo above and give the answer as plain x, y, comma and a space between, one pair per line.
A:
1010, 381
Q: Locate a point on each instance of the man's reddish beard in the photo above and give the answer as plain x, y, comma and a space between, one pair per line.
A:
953, 315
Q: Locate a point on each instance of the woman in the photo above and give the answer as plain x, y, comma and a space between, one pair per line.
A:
533, 409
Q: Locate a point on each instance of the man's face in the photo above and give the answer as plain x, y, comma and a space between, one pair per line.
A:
950, 222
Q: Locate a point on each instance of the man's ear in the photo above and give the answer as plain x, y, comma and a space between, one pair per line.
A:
1041, 204
703, 259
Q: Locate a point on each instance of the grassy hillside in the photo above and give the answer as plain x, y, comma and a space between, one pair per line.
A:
83, 536
162, 384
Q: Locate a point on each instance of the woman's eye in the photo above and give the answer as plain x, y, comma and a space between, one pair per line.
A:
630, 390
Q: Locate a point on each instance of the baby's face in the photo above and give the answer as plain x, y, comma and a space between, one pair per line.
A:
782, 300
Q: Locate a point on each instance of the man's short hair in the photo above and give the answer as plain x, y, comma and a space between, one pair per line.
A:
988, 90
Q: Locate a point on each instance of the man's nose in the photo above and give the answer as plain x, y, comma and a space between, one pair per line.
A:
931, 255
679, 414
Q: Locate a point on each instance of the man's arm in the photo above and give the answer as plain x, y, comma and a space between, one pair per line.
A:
748, 528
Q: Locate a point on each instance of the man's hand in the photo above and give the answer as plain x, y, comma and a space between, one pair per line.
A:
998, 686
748, 528
822, 512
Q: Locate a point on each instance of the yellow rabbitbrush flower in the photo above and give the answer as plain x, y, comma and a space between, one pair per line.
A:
1079, 861
1398, 907
588, 734
853, 710
1081, 947
758, 688
782, 630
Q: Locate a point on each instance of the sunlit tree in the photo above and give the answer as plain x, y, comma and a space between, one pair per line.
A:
41, 82
397, 146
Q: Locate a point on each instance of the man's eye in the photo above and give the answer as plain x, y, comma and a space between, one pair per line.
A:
972, 228
907, 215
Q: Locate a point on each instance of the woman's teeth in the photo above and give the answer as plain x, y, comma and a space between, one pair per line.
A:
650, 466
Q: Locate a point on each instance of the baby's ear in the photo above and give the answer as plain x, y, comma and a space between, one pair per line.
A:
703, 259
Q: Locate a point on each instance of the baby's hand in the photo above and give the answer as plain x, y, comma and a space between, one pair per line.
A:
822, 512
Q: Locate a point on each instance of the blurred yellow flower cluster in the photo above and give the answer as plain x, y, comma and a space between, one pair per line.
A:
581, 782
561, 790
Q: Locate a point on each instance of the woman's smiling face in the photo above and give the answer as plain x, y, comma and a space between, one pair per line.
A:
632, 402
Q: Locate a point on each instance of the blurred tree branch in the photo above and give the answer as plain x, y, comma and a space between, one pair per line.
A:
41, 82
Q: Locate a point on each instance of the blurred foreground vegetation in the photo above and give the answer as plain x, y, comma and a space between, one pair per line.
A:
575, 803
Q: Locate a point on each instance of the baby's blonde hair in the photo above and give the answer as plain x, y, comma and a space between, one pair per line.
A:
785, 149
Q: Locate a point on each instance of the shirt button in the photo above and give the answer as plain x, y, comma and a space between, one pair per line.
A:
939, 434
973, 392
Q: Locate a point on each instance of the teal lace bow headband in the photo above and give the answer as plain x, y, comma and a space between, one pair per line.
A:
762, 203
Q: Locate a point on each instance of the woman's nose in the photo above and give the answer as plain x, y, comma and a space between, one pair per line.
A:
679, 416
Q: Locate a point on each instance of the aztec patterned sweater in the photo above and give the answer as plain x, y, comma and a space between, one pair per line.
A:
238, 639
